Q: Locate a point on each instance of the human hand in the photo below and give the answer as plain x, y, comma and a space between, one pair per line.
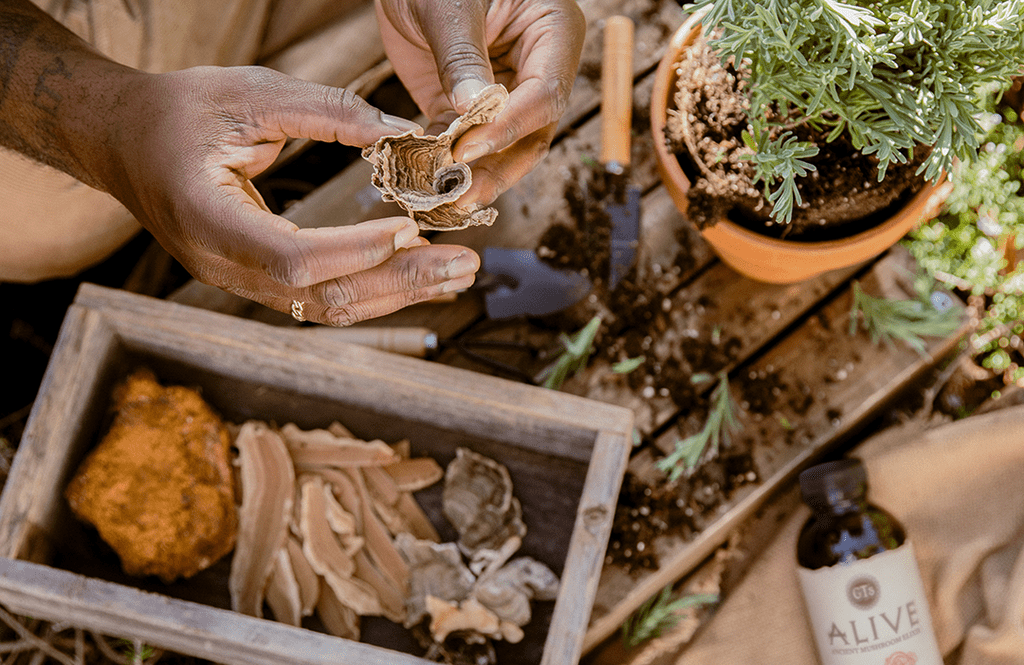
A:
181, 152
447, 51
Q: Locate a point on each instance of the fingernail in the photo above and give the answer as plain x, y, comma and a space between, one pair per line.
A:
460, 284
400, 124
475, 150
465, 92
405, 236
462, 265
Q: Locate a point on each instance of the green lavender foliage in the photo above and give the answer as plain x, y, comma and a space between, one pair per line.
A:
659, 614
891, 73
705, 443
628, 365
907, 321
576, 350
961, 247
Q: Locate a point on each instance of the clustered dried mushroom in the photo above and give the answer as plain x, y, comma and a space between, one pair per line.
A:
490, 595
326, 522
318, 515
420, 174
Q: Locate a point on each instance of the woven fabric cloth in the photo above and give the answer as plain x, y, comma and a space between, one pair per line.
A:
959, 491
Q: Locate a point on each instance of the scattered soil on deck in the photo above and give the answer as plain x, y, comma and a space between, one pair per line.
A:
634, 320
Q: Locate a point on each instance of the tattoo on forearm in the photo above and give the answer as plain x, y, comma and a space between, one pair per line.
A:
46, 98
14, 30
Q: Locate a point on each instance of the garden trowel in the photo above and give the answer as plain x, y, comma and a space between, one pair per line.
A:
516, 282
623, 199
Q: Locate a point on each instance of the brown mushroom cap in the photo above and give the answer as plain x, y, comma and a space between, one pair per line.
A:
477, 499
419, 173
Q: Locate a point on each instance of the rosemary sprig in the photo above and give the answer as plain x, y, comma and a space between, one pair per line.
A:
575, 353
704, 444
907, 321
659, 614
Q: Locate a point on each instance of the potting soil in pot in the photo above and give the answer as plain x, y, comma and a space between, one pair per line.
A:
843, 196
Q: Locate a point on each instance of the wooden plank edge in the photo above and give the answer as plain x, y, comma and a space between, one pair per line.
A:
153, 324
565, 643
220, 635
82, 346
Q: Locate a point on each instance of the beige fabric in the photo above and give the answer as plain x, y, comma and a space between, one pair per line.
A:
959, 491
53, 226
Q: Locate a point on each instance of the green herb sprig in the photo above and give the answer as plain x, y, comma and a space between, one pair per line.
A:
576, 350
907, 321
704, 444
892, 74
659, 614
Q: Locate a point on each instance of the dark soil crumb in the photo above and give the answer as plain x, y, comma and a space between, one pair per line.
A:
646, 512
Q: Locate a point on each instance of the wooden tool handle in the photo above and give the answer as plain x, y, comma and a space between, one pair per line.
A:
409, 341
616, 91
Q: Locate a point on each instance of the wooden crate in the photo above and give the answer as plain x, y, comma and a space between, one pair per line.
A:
566, 455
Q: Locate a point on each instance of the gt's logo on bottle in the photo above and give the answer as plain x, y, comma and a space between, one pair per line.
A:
863, 592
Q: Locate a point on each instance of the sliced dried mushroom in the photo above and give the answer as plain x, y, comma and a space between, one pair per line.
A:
447, 617
283, 593
338, 618
436, 569
311, 449
305, 576
419, 524
477, 499
411, 475
379, 545
328, 558
508, 590
268, 488
392, 600
420, 174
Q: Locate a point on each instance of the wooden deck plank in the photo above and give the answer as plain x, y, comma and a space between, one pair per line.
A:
746, 315
851, 380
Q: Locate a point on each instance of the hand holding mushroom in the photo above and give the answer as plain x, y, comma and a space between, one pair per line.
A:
448, 51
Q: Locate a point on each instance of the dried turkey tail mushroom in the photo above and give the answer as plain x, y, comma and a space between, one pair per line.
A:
268, 488
437, 570
508, 591
420, 174
477, 499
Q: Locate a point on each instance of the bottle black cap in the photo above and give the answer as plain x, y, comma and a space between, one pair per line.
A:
833, 482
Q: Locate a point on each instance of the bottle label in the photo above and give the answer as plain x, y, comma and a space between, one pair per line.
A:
871, 612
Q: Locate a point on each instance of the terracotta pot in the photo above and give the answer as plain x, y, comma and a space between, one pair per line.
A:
760, 257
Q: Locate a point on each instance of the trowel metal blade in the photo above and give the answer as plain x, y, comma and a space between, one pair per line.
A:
538, 288
625, 234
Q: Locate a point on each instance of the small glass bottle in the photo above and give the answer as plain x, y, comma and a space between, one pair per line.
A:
860, 581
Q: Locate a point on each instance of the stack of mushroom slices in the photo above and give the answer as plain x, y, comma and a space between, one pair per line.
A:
328, 525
